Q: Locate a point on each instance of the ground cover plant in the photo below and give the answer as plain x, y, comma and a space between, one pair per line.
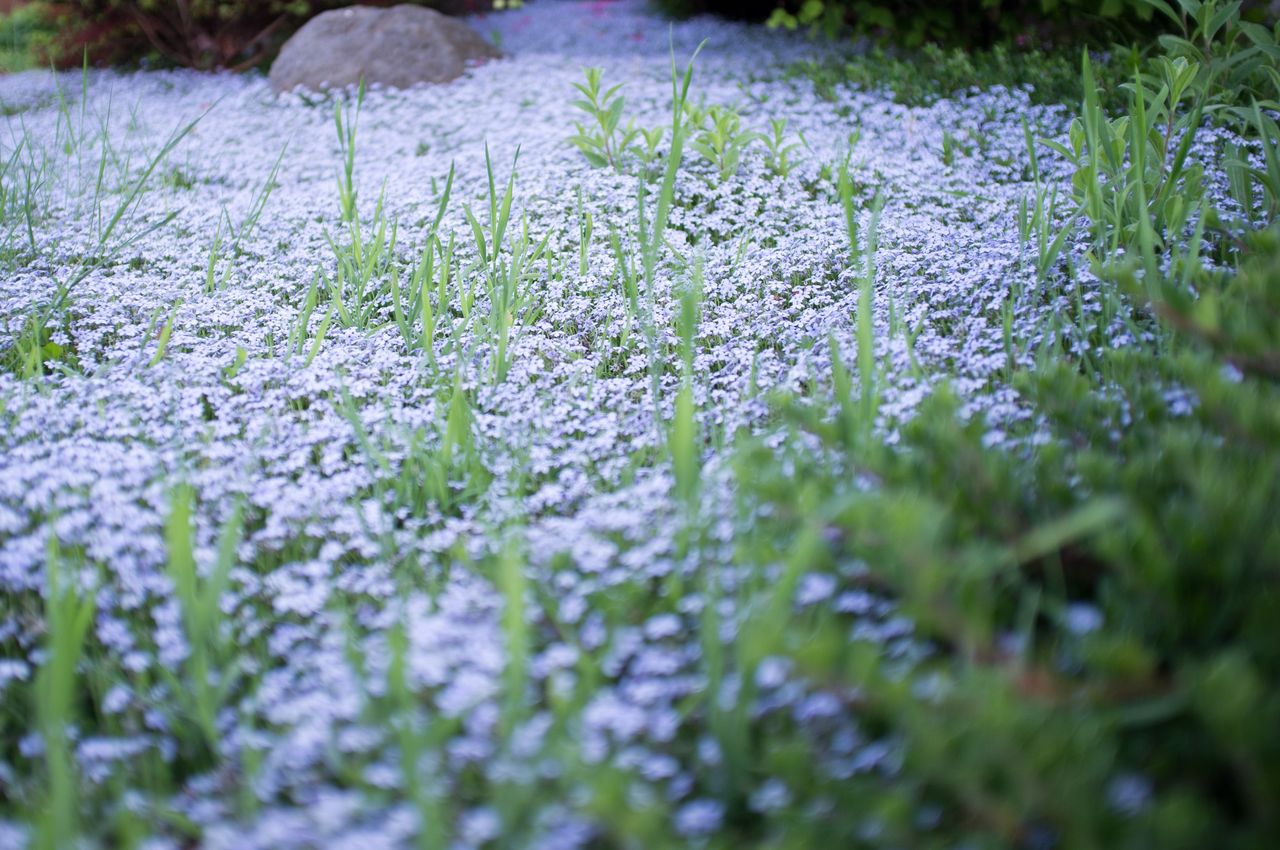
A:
701, 446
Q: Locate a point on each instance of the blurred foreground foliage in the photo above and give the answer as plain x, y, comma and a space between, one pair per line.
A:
1102, 602
1097, 586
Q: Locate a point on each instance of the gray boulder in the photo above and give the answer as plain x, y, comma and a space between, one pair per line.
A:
395, 47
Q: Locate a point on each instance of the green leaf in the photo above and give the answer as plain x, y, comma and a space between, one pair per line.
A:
613, 116
477, 232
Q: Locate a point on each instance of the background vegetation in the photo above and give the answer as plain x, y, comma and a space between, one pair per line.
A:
965, 23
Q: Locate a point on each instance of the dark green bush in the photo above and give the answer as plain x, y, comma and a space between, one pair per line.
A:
19, 29
964, 22
1099, 594
1103, 603
195, 33
969, 22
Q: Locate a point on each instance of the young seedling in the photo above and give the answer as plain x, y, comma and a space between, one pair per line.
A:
165, 332
724, 141
362, 277
630, 275
346, 123
779, 150
413, 312
647, 148
515, 629
239, 234
683, 439
602, 143
858, 421
844, 188
866, 325
68, 614
510, 300
695, 115
585, 224
652, 231
34, 347
208, 678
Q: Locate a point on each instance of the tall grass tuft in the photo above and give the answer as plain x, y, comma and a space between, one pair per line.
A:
34, 347
68, 614
208, 677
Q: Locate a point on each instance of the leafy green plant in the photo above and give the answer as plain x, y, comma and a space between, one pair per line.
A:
779, 150
507, 279
1235, 59
363, 273
647, 147
1243, 174
1133, 180
604, 141
695, 115
1038, 217
724, 140
1080, 591
1096, 599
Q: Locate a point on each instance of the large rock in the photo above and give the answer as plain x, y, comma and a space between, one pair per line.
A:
396, 47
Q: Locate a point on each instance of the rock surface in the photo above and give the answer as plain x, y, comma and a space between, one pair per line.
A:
398, 47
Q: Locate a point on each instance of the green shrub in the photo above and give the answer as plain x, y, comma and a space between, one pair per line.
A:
1100, 590
203, 34
970, 22
957, 22
1107, 674
19, 30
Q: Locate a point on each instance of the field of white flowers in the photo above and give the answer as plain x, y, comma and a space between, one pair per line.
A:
371, 466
